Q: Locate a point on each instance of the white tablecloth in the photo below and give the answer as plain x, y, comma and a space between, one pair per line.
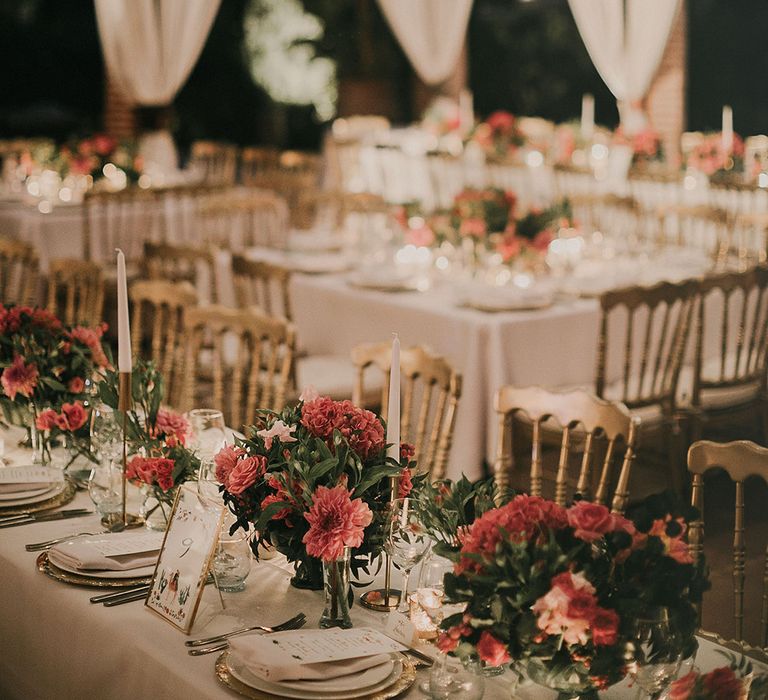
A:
55, 644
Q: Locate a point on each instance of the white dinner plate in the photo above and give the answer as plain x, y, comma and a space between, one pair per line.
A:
22, 495
353, 681
50, 491
100, 573
241, 673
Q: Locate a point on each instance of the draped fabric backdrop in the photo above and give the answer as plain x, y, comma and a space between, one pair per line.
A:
626, 48
150, 48
431, 33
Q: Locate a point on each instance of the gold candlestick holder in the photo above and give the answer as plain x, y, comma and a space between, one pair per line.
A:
384, 599
124, 403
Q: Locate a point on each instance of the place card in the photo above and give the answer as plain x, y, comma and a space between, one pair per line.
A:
401, 629
30, 475
185, 557
322, 646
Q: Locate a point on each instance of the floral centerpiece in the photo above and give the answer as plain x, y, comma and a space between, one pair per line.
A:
442, 117
646, 146
528, 237
557, 589
734, 682
45, 370
157, 439
709, 155
95, 154
499, 135
313, 480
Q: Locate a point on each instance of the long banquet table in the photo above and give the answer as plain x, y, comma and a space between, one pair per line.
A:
55, 644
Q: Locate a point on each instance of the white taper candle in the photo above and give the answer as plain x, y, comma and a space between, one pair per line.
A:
393, 408
587, 116
727, 129
124, 361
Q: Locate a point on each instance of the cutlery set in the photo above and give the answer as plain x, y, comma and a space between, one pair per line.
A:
27, 518
219, 642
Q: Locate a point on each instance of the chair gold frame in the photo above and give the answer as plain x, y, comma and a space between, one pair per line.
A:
431, 438
177, 263
573, 411
159, 307
257, 377
257, 283
19, 272
740, 460
76, 291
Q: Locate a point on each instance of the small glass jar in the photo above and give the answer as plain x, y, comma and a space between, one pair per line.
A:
232, 561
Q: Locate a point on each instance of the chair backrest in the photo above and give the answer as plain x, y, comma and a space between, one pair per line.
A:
123, 219
76, 291
571, 410
19, 271
740, 459
262, 284
655, 322
249, 358
216, 162
157, 326
733, 312
177, 263
258, 165
243, 219
429, 397
701, 228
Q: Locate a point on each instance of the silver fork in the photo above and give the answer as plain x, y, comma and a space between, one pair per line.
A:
221, 642
47, 544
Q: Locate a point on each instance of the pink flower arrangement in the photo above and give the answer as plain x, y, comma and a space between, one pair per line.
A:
336, 521
226, 460
709, 156
73, 416
19, 378
570, 610
173, 426
155, 471
721, 684
91, 337
362, 429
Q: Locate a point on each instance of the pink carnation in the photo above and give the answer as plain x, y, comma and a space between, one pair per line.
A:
225, 461
335, 522
361, 428
19, 378
173, 425
246, 472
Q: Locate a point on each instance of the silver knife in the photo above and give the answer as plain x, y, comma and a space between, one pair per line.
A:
26, 518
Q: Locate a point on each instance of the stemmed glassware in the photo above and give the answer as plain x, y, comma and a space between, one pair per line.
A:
208, 437
657, 656
406, 541
105, 487
106, 433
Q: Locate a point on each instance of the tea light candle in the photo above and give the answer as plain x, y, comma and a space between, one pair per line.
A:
425, 606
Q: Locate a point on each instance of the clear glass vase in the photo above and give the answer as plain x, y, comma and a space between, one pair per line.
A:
336, 587
156, 507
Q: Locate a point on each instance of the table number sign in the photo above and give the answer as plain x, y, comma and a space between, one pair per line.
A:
182, 567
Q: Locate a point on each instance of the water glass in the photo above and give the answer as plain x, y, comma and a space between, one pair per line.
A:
657, 656
405, 541
106, 432
232, 560
105, 486
208, 431
450, 679
207, 483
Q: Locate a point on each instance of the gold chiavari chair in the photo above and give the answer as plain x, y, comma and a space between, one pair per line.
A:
76, 291
258, 166
177, 263
749, 244
159, 308
641, 368
740, 460
262, 284
702, 228
431, 393
583, 419
732, 316
249, 357
19, 271
216, 162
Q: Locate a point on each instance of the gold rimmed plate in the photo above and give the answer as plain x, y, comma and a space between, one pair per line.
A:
400, 683
63, 497
45, 566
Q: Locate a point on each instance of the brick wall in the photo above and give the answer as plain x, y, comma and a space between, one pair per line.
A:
666, 100
119, 119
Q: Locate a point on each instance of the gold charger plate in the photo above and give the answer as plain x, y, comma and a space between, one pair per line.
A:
492, 309
60, 499
45, 566
403, 682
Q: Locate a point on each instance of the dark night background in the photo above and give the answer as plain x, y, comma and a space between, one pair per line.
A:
526, 57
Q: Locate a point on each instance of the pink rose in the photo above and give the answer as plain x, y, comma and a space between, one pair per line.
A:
491, 650
76, 385
225, 461
75, 414
46, 420
682, 688
605, 627
591, 521
723, 684
247, 472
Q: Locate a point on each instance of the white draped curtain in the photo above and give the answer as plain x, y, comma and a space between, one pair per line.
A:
431, 33
151, 46
626, 41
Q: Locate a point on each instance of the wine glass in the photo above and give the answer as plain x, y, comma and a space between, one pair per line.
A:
207, 483
105, 487
657, 654
106, 432
406, 541
208, 431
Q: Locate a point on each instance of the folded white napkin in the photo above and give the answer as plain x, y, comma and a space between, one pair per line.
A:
115, 552
294, 670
